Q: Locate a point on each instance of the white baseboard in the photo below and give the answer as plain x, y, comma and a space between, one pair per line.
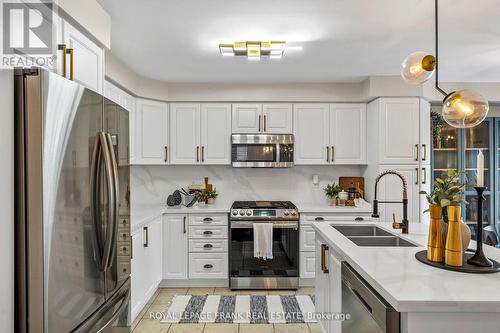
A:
180, 283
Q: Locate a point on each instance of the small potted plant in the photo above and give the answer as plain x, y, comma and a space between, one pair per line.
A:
331, 191
445, 201
210, 196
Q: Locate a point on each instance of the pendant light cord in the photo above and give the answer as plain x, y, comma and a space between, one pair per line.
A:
436, 13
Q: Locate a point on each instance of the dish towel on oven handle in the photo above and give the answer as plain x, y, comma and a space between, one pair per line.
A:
263, 240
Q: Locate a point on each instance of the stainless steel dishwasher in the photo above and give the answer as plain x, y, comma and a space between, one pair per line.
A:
369, 312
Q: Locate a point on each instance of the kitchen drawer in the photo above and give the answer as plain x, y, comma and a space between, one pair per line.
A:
307, 238
208, 266
207, 246
307, 264
309, 218
208, 231
207, 219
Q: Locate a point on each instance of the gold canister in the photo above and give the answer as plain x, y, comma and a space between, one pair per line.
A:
435, 247
453, 250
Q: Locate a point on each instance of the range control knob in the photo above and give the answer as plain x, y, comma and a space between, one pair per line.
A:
242, 212
294, 213
286, 213
249, 212
235, 212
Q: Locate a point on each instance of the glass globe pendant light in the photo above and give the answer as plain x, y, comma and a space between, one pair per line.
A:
418, 67
465, 108
461, 109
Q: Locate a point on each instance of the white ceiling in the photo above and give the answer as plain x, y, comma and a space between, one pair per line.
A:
342, 40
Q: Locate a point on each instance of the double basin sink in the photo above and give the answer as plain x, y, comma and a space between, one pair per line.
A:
370, 235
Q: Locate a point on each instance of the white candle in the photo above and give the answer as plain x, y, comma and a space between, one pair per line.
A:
480, 169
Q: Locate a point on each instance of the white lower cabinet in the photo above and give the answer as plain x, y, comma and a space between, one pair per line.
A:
175, 247
146, 264
208, 256
308, 246
307, 265
328, 285
208, 265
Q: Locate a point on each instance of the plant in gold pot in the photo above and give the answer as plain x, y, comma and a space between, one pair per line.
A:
447, 195
332, 191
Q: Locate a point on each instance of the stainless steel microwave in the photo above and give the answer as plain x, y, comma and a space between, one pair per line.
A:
262, 150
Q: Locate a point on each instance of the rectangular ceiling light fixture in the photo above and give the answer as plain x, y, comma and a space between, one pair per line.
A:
254, 50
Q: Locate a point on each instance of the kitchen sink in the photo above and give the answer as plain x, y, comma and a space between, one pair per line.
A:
361, 230
381, 241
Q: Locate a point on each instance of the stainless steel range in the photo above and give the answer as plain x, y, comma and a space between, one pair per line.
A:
248, 272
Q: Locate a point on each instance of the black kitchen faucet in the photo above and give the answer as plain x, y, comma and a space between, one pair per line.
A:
403, 225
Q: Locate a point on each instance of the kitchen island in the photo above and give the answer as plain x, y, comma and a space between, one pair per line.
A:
429, 299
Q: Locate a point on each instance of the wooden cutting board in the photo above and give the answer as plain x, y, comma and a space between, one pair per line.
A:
345, 183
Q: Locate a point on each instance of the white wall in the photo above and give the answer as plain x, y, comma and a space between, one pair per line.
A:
7, 202
150, 185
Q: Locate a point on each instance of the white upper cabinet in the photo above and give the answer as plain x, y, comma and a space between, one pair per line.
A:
425, 132
311, 130
88, 58
151, 127
277, 118
216, 134
247, 118
185, 133
330, 133
200, 133
348, 133
399, 128
262, 118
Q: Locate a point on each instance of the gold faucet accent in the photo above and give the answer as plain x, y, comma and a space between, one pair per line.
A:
395, 225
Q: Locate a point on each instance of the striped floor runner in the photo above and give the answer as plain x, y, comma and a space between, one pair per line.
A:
240, 309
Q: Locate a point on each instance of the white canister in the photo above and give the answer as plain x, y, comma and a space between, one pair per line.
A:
343, 196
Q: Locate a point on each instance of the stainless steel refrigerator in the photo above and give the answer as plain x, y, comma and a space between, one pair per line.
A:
72, 207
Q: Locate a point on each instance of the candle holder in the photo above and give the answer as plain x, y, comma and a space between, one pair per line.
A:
479, 259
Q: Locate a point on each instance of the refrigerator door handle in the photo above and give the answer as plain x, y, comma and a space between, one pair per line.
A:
110, 236
96, 164
114, 203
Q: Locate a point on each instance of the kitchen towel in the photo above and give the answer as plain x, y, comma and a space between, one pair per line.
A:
263, 240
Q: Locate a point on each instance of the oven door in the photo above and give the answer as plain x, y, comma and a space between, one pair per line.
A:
285, 262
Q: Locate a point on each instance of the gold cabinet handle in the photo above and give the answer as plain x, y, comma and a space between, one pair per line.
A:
327, 154
146, 237
202, 154
166, 154
333, 153
184, 224
416, 152
197, 153
265, 125
62, 47
424, 147
71, 63
324, 249
416, 181
424, 178
260, 120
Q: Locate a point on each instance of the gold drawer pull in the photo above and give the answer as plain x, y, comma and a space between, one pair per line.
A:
324, 249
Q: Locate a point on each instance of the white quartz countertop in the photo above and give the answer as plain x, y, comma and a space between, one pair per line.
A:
199, 209
409, 285
318, 208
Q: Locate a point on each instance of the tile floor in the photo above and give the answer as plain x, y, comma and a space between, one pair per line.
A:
162, 297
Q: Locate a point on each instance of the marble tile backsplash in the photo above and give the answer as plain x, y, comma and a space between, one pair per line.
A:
150, 185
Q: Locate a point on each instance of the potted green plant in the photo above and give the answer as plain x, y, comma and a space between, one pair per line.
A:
210, 195
437, 123
448, 193
331, 191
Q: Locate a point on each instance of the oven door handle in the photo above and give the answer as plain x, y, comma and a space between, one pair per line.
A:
276, 225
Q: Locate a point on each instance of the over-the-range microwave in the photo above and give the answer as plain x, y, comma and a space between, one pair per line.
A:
262, 150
